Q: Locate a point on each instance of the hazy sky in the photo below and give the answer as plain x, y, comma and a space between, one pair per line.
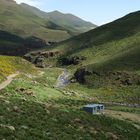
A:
96, 11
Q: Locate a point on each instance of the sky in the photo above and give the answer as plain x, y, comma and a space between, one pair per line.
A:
96, 11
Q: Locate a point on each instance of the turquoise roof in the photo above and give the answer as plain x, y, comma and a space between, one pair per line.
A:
93, 105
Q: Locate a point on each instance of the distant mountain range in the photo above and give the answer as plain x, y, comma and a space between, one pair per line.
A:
24, 20
74, 25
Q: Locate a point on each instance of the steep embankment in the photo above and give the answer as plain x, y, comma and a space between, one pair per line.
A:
22, 21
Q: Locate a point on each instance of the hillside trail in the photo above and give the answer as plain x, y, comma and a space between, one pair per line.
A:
62, 79
8, 80
131, 117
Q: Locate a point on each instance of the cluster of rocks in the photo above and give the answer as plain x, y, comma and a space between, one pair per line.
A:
38, 58
47, 54
70, 93
80, 74
123, 78
24, 91
117, 78
71, 60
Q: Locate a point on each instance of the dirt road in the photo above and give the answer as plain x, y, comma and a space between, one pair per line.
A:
132, 117
8, 81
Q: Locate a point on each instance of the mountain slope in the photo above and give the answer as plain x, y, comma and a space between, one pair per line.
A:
24, 20
114, 31
19, 21
108, 41
11, 44
68, 22
110, 48
73, 23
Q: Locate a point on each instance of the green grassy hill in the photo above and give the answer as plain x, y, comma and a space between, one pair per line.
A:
11, 44
115, 45
24, 20
74, 25
10, 65
110, 48
109, 64
45, 112
19, 21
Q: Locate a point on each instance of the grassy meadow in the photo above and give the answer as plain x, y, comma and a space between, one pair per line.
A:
32, 109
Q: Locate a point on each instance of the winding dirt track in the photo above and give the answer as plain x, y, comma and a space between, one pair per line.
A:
8, 81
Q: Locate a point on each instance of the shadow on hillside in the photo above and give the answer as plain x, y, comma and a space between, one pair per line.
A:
114, 31
128, 61
14, 45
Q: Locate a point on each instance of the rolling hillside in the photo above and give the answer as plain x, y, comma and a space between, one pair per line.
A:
11, 44
24, 20
19, 21
110, 48
104, 61
114, 43
74, 25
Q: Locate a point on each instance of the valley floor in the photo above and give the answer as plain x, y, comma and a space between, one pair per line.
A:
31, 108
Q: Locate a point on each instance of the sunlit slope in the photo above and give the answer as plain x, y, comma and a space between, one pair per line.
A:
74, 25
10, 65
113, 46
19, 21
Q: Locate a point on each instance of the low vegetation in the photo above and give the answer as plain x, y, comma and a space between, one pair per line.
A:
109, 73
44, 112
111, 48
10, 65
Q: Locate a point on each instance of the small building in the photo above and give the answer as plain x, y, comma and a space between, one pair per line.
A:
94, 108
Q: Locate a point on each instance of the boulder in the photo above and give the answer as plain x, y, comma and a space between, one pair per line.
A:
70, 60
80, 74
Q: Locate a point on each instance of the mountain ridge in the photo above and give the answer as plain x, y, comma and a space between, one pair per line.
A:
25, 20
67, 21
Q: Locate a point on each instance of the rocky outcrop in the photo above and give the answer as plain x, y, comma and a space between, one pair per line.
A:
117, 78
45, 54
123, 78
38, 58
80, 74
40, 62
70, 60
